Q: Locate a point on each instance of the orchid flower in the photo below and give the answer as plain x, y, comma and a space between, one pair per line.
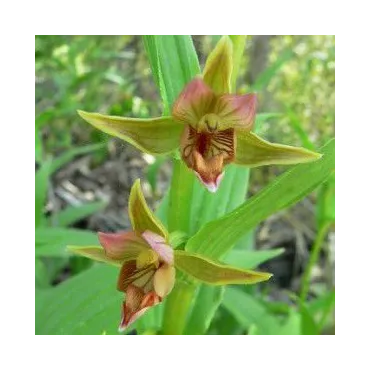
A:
148, 262
210, 125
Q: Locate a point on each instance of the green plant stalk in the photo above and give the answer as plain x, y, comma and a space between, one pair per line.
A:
181, 192
179, 301
313, 259
179, 210
177, 308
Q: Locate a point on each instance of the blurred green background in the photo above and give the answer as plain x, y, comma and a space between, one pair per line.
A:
83, 177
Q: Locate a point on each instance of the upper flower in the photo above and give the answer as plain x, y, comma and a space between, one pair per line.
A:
210, 125
212, 122
147, 261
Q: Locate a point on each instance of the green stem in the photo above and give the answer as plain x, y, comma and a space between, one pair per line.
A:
313, 260
181, 192
178, 307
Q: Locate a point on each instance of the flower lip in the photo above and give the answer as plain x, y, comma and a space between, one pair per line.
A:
136, 304
127, 321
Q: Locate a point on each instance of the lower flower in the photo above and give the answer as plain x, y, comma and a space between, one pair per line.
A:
148, 263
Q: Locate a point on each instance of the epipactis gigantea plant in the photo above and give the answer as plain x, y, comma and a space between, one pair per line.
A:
148, 263
210, 125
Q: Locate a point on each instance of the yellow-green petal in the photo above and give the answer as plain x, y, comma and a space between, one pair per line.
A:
154, 136
95, 253
215, 273
142, 218
253, 151
219, 66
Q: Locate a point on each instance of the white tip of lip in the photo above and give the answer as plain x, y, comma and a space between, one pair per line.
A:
212, 187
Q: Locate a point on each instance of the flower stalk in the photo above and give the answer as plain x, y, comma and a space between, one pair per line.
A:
178, 307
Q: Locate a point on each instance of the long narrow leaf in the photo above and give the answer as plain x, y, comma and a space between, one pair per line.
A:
41, 190
72, 214
66, 157
249, 311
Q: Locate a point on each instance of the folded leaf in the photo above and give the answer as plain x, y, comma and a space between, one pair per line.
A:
214, 272
154, 136
142, 218
218, 69
252, 151
95, 253
205, 306
250, 310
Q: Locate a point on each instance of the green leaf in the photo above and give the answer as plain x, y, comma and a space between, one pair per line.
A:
326, 202
322, 309
208, 206
206, 304
251, 259
249, 311
41, 275
53, 241
214, 272
72, 214
291, 325
38, 146
41, 191
217, 237
85, 304
308, 325
67, 156
174, 63
238, 50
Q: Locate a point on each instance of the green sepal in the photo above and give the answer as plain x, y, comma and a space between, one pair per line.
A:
154, 136
253, 151
219, 66
214, 272
95, 253
141, 216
